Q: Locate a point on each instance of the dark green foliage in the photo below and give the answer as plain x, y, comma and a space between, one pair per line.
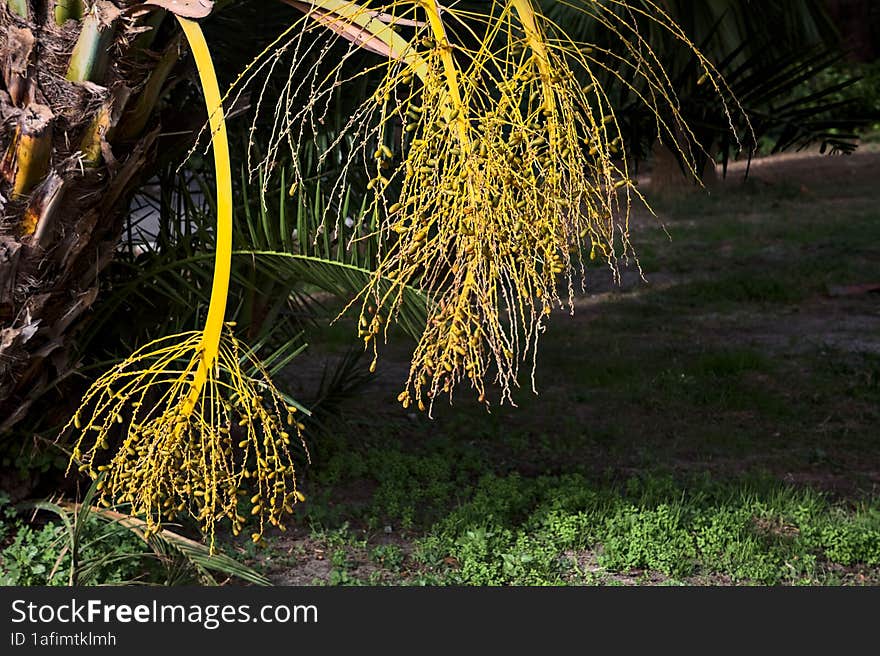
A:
782, 64
84, 545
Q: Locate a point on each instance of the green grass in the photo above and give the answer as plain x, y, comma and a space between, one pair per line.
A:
570, 530
703, 430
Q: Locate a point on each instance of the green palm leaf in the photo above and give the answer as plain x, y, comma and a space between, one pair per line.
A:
180, 280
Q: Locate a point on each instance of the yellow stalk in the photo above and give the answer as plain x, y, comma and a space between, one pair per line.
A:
196, 429
210, 345
450, 70
526, 12
360, 25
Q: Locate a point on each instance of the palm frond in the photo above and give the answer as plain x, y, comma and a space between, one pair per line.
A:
773, 28
340, 279
195, 553
89, 527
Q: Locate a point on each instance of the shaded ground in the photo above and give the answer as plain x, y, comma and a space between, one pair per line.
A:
717, 422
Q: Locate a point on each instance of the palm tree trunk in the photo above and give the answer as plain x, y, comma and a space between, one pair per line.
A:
669, 177
79, 82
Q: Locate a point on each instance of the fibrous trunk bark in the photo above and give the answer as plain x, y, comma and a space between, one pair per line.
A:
78, 85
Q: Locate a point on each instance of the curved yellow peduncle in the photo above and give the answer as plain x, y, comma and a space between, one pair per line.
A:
456, 102
537, 43
195, 420
210, 344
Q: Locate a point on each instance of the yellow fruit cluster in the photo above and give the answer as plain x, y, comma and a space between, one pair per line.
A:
225, 453
498, 192
494, 160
